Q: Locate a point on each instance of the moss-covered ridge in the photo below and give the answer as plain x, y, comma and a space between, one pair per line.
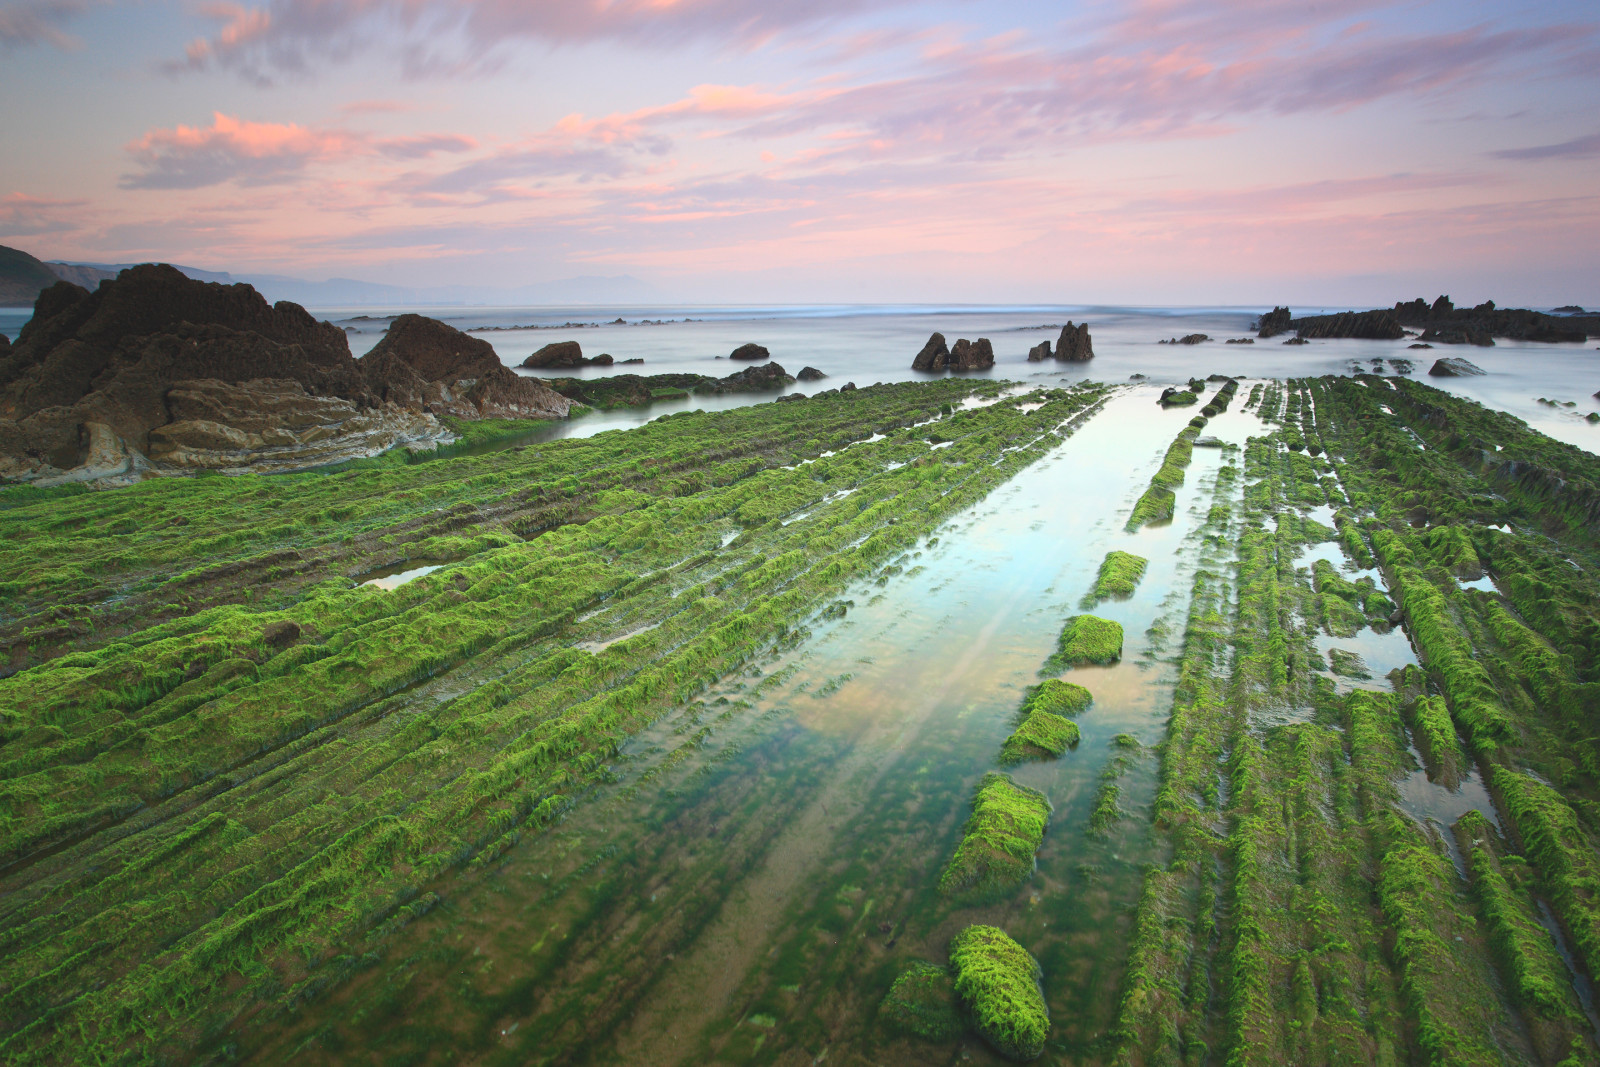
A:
1118, 577
999, 841
1087, 639
999, 980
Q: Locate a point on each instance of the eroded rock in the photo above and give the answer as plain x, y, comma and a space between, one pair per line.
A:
750, 351
1454, 367
1074, 345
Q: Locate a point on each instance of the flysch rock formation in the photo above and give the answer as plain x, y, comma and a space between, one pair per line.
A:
154, 373
1454, 367
1441, 322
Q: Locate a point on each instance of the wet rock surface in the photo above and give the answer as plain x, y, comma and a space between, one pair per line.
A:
750, 351
964, 355
1039, 352
1454, 367
1074, 345
934, 355
810, 374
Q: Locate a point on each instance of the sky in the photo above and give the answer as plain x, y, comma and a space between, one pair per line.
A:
797, 151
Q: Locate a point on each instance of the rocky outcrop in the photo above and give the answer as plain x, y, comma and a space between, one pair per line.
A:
751, 379
1365, 325
557, 354
1039, 352
1274, 322
971, 355
810, 374
750, 351
154, 372
1454, 367
633, 390
1466, 334
1186, 339
22, 278
1074, 344
934, 356
1297, 341
1240, 341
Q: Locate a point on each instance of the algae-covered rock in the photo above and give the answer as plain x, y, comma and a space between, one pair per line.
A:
1348, 664
1176, 398
998, 980
922, 1001
1057, 697
1000, 839
1089, 639
1119, 575
1041, 734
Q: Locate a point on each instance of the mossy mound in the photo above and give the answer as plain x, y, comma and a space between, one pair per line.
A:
1040, 734
1156, 505
999, 840
1348, 664
998, 980
1057, 697
1119, 574
1089, 639
922, 1002
1178, 400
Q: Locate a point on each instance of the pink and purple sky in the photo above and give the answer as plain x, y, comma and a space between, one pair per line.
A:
827, 150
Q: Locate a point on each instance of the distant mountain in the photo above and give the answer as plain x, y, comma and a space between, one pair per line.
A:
22, 277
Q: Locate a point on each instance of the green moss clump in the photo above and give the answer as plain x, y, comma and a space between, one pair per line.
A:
999, 982
1119, 575
1156, 505
1040, 734
999, 840
1089, 639
1057, 697
922, 1001
1178, 400
1348, 664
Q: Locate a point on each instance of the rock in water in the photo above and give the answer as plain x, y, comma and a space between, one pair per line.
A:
934, 355
1074, 345
1274, 322
766, 376
1459, 335
750, 351
1454, 367
998, 980
557, 354
1039, 352
972, 355
922, 1001
453, 373
810, 374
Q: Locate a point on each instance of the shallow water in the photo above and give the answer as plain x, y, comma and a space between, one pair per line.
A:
396, 576
765, 862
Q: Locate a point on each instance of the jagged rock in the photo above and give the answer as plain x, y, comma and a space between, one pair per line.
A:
971, 355
1468, 334
750, 351
1186, 339
1366, 325
810, 374
1039, 352
557, 354
1274, 322
1074, 344
1488, 321
934, 355
453, 373
1240, 341
1454, 367
1297, 341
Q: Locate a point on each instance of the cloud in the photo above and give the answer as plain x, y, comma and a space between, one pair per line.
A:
25, 216
262, 153
1577, 148
40, 22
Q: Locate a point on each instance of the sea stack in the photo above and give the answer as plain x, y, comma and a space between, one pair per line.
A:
934, 355
1074, 345
972, 355
1039, 352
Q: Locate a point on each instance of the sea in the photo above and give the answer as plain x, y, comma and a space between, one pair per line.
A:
1550, 386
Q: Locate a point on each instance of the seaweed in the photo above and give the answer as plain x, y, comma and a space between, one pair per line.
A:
1087, 639
999, 841
922, 1002
1119, 577
999, 981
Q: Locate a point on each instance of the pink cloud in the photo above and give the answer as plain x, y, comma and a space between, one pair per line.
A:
40, 22
23, 216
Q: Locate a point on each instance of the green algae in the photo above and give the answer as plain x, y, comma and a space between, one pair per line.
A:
1087, 639
922, 1002
999, 841
1119, 576
1057, 697
1040, 735
999, 981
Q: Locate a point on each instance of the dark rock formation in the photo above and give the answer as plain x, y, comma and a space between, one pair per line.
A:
1570, 309
1186, 339
1039, 352
1172, 396
971, 355
1274, 322
790, 398
1467, 334
633, 390
557, 354
1074, 344
934, 355
847, 387
154, 368
1366, 325
1419, 345
750, 351
1487, 320
1240, 341
1454, 367
1297, 341
751, 379
810, 374
22, 278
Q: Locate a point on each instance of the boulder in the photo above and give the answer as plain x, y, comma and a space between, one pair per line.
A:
1454, 367
1039, 352
934, 355
1297, 341
1074, 344
849, 386
971, 355
810, 374
750, 351
789, 398
453, 373
557, 354
766, 376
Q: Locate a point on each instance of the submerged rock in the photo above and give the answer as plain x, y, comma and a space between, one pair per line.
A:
998, 980
750, 351
999, 840
1074, 345
766, 376
1297, 341
1240, 341
1419, 345
1454, 367
922, 1001
1186, 339
1459, 335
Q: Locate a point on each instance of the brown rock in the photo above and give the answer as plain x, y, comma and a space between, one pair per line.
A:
557, 354
1039, 352
1454, 367
281, 634
1074, 344
750, 351
934, 355
971, 355
810, 374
